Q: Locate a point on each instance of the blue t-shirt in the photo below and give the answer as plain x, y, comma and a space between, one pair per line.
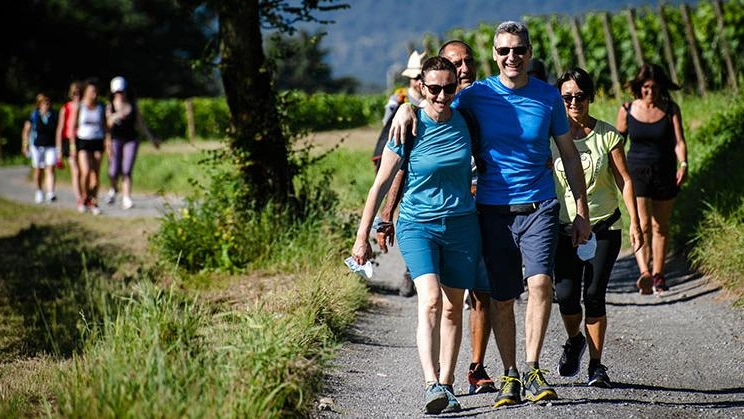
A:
438, 180
516, 127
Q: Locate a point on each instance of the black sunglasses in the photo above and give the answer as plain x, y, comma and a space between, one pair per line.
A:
580, 97
434, 89
520, 50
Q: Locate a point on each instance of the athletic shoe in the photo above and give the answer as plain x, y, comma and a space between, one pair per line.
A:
50, 197
452, 404
479, 380
510, 391
598, 377
660, 284
39, 197
111, 196
81, 206
94, 209
126, 203
436, 399
573, 350
645, 284
536, 388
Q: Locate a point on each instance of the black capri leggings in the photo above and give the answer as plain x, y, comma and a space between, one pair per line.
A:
571, 273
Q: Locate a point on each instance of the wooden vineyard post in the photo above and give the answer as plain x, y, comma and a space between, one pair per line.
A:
485, 53
725, 47
578, 43
190, 124
692, 47
553, 48
667, 45
630, 14
611, 61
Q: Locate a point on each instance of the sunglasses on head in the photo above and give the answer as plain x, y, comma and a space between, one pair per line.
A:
434, 89
580, 97
520, 50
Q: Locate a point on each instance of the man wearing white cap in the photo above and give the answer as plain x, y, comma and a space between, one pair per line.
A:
413, 72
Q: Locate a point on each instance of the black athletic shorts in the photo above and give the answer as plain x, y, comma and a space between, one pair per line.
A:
657, 181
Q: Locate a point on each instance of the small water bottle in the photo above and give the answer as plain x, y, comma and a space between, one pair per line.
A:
586, 251
365, 271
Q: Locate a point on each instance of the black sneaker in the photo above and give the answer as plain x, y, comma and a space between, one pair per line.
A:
573, 350
407, 288
509, 392
435, 398
598, 377
536, 388
479, 380
452, 404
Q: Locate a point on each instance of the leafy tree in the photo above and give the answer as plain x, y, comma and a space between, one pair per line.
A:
258, 144
152, 42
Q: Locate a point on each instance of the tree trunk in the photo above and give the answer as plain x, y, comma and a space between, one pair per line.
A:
257, 142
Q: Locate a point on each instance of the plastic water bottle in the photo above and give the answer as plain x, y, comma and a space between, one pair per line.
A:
587, 250
365, 271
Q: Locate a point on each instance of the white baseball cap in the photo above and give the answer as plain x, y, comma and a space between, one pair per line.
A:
415, 61
118, 84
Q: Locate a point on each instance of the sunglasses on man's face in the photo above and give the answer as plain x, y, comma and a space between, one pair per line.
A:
434, 89
520, 50
580, 97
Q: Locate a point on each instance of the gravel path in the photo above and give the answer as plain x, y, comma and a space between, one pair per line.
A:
676, 356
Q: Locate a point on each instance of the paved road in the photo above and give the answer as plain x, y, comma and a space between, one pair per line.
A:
16, 185
676, 356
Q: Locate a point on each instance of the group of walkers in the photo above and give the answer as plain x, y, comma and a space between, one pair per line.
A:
82, 130
538, 206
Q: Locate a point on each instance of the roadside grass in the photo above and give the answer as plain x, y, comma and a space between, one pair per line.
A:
84, 338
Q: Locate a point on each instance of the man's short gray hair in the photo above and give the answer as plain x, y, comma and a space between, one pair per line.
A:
514, 28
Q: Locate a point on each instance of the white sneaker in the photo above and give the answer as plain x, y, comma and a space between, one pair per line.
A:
94, 210
51, 197
126, 203
111, 196
39, 196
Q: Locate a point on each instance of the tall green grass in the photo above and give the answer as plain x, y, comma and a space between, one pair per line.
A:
166, 354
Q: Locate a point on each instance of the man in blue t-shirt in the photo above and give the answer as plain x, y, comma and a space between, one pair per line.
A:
517, 205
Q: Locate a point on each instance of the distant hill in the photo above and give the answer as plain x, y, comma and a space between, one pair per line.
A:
372, 38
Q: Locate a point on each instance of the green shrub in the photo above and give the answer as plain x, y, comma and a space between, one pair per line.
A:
216, 232
714, 156
719, 248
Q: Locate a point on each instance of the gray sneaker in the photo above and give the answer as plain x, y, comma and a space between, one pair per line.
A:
509, 392
536, 388
453, 405
436, 399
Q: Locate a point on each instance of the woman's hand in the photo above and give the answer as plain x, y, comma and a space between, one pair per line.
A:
681, 175
362, 251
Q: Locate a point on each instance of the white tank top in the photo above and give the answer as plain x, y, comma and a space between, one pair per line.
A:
90, 123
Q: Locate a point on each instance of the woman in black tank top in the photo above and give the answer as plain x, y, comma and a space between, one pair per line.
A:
657, 160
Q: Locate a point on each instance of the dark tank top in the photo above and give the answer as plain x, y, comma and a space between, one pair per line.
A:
651, 142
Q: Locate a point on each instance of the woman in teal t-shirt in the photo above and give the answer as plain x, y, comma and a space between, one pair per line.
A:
437, 227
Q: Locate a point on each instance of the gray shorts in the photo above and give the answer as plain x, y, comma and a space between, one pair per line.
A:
518, 245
